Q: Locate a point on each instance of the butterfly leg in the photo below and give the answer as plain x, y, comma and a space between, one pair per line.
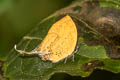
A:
73, 57
76, 49
65, 60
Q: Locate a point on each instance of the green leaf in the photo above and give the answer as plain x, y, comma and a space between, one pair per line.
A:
19, 67
27, 67
91, 51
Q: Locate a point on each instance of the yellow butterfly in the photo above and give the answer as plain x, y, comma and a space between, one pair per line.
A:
59, 43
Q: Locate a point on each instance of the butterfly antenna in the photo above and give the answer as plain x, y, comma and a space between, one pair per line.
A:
22, 51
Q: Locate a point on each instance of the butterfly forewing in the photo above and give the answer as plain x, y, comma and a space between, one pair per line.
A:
60, 41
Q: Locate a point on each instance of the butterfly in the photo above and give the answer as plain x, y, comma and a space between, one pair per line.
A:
59, 43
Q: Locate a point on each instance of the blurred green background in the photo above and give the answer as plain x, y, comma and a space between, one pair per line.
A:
18, 17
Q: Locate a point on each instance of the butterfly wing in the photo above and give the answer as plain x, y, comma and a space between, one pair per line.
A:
60, 41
